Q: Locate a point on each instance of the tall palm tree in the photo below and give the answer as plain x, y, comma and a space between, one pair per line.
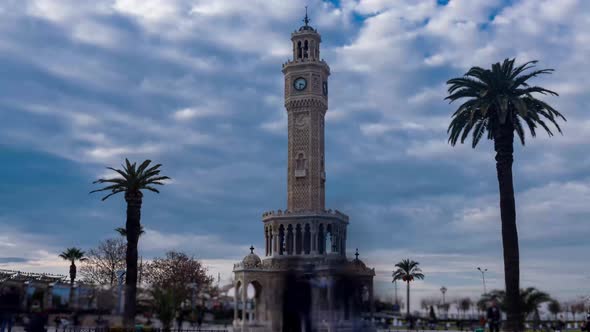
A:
407, 270
132, 181
72, 255
500, 103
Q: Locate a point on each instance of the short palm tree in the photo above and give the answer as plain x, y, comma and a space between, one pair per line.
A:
72, 255
123, 231
132, 181
407, 270
530, 299
501, 103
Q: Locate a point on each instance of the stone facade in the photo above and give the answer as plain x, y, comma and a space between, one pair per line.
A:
305, 282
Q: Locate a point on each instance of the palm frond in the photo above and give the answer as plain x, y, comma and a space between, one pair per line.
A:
496, 97
133, 178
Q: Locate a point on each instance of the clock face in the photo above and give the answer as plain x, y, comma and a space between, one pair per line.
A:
325, 88
300, 83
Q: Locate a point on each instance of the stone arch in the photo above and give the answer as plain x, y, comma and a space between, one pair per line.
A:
290, 241
281, 240
329, 244
255, 306
298, 240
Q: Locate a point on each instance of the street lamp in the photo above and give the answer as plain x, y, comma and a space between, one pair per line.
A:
483, 277
443, 290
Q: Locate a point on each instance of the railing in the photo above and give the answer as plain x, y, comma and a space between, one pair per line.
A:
137, 329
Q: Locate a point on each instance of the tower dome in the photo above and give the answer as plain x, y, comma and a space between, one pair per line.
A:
251, 260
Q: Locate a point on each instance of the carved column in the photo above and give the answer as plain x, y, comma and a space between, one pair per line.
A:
371, 301
244, 301
235, 303
266, 238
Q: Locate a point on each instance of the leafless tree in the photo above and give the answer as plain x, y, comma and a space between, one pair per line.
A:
104, 261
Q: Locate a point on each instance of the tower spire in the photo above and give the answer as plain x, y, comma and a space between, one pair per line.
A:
306, 19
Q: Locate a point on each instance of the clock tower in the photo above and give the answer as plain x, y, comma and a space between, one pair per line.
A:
304, 282
306, 101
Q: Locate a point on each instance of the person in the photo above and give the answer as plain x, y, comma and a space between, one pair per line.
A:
536, 321
433, 321
459, 324
37, 319
9, 303
411, 322
559, 324
494, 316
76, 319
482, 322
200, 318
586, 325
180, 319
57, 322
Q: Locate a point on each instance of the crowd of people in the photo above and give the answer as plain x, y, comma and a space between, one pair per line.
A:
492, 320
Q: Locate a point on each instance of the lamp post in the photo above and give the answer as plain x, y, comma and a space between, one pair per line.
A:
443, 290
121, 281
483, 277
193, 286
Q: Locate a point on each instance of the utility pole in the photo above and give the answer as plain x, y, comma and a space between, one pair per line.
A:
483, 277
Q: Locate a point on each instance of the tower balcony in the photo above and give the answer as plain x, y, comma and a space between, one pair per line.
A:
286, 214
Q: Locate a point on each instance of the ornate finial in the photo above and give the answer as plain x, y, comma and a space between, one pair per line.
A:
306, 19
357, 254
251, 249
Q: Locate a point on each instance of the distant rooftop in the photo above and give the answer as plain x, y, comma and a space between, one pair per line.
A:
20, 276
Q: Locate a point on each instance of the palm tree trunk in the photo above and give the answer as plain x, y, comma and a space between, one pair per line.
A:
408, 299
503, 144
133, 227
72, 280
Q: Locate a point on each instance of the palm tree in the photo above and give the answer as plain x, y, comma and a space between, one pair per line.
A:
407, 270
72, 255
530, 298
132, 181
123, 232
500, 103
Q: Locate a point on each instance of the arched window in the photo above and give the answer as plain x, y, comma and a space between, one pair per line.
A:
299, 51
321, 240
290, 240
305, 49
298, 239
300, 162
281, 240
306, 240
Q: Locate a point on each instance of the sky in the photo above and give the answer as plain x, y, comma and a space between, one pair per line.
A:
197, 86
